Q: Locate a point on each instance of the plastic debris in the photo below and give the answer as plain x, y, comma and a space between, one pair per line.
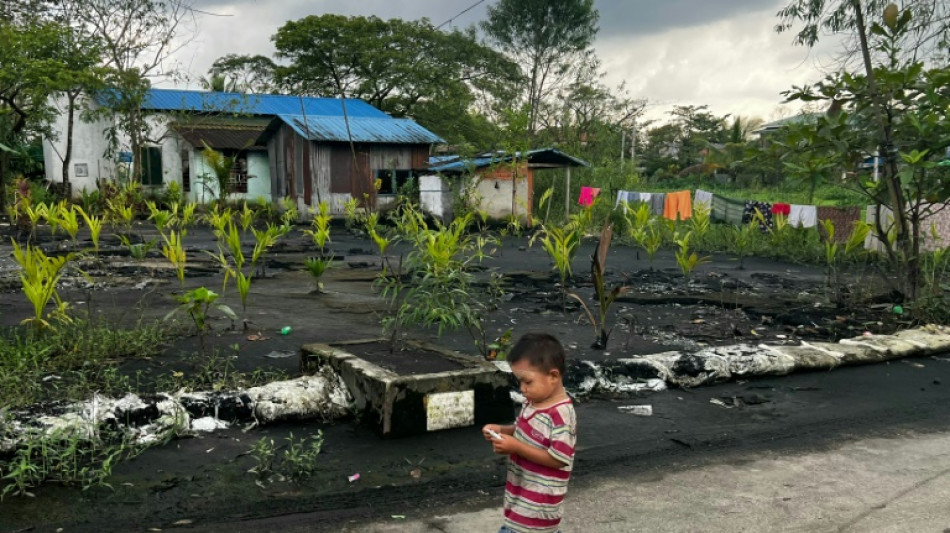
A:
898, 310
639, 410
720, 403
280, 354
354, 477
399, 516
257, 337
285, 330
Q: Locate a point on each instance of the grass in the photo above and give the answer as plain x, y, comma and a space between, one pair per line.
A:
73, 360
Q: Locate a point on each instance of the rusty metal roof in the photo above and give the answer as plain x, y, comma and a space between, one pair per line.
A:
360, 129
224, 134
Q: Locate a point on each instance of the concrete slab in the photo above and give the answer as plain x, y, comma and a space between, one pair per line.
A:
401, 404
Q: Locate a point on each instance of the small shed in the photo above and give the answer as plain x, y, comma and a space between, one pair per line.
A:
502, 182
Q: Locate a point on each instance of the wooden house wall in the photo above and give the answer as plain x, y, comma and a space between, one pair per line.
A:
316, 171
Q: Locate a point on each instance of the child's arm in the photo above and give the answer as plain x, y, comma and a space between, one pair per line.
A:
510, 445
504, 430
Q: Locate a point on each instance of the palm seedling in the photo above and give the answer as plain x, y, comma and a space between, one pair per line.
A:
687, 260
39, 275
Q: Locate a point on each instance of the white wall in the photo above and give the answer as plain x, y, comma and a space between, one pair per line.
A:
89, 147
495, 196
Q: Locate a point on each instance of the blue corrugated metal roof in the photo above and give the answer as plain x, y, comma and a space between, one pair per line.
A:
361, 129
455, 164
255, 104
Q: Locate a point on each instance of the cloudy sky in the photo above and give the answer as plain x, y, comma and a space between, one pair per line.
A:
721, 53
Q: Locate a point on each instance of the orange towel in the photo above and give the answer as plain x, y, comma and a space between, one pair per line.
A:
678, 205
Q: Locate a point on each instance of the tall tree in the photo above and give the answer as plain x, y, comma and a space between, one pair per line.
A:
249, 74
896, 108
406, 68
138, 39
545, 37
31, 70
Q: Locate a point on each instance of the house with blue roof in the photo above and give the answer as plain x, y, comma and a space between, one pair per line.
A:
305, 148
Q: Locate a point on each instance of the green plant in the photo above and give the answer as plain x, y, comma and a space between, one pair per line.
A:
653, 241
350, 215
743, 239
174, 251
605, 298
68, 218
687, 261
382, 242
700, 222
833, 251
439, 290
299, 458
197, 303
316, 266
221, 167
94, 223
39, 275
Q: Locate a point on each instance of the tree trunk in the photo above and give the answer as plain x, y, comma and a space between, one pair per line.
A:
906, 258
71, 119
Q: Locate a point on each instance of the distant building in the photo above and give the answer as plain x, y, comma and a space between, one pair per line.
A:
305, 148
503, 183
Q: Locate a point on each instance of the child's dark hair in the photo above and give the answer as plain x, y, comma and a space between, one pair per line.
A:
540, 350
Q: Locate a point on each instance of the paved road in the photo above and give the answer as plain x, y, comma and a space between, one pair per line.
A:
899, 484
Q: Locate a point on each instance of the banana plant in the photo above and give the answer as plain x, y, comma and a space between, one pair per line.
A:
605, 297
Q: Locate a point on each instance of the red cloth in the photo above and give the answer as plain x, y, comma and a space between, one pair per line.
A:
587, 196
781, 209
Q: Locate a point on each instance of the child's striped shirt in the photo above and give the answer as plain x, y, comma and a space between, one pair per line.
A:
534, 493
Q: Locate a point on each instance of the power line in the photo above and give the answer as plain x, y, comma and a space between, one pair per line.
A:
464, 11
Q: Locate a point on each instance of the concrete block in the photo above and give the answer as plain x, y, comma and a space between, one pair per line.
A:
473, 392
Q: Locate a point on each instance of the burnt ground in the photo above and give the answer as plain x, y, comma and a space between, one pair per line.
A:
202, 482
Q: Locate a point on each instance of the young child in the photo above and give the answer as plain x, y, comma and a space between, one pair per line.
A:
540, 445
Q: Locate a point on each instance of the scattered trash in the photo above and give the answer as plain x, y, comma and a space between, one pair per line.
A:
898, 310
208, 424
184, 522
914, 364
354, 477
285, 330
720, 403
639, 410
257, 337
399, 516
415, 473
280, 354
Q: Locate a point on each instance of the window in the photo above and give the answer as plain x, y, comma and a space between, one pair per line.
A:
239, 175
393, 180
151, 161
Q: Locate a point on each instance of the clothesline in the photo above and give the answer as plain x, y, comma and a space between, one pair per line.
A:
679, 205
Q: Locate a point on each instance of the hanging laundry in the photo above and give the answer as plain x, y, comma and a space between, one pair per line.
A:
843, 218
658, 203
587, 196
753, 210
646, 197
805, 216
703, 198
628, 197
781, 209
678, 205
727, 210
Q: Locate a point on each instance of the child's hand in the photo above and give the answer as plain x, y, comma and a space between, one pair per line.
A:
488, 429
506, 445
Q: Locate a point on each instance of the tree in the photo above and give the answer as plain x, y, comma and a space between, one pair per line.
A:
896, 109
137, 39
248, 74
545, 37
393, 64
31, 69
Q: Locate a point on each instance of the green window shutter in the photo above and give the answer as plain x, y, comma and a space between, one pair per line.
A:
151, 165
